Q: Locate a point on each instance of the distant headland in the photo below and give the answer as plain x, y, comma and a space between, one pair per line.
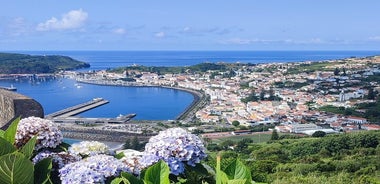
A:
11, 63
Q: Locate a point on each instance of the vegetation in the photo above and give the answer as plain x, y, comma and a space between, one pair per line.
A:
341, 158
27, 64
226, 68
314, 66
370, 111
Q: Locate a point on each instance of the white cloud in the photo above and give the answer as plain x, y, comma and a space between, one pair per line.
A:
18, 26
70, 20
160, 34
120, 31
375, 38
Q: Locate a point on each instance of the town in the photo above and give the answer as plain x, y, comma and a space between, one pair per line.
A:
303, 97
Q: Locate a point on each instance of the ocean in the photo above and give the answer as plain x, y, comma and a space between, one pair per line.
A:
149, 103
110, 59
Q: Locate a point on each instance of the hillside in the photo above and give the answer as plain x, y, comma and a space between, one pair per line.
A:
340, 158
11, 63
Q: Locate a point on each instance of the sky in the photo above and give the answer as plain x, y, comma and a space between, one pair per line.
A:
189, 25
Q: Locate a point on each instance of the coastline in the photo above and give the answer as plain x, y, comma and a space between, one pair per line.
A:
186, 115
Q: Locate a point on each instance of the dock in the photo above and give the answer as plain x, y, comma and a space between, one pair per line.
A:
77, 109
12, 88
68, 115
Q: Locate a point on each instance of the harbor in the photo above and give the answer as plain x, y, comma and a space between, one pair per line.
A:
67, 115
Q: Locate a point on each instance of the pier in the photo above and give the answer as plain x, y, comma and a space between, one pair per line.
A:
68, 115
77, 109
11, 88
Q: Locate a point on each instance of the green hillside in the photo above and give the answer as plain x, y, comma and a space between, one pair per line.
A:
11, 63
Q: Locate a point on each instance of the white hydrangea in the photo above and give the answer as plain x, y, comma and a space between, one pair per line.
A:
48, 134
137, 161
177, 147
89, 148
93, 169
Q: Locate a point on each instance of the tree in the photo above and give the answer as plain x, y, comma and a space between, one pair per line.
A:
235, 123
262, 94
135, 143
127, 144
251, 97
344, 72
371, 94
319, 134
271, 94
274, 135
336, 71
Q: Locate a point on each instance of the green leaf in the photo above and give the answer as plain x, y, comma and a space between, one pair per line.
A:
132, 179
6, 147
2, 133
120, 181
28, 148
237, 170
222, 177
157, 174
10, 133
42, 170
15, 169
237, 181
119, 155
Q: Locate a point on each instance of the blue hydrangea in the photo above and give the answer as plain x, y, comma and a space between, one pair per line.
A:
48, 134
93, 169
177, 147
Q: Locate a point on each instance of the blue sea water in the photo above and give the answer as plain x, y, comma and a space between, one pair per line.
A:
149, 103
111, 59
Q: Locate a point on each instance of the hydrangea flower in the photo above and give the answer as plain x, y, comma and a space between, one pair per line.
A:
177, 147
48, 134
137, 161
59, 159
93, 169
89, 148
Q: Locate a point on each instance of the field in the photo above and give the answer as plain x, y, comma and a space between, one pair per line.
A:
256, 138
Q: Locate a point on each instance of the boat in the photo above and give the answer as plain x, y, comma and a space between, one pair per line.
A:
11, 88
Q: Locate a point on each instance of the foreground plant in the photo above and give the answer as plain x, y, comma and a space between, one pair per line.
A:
47, 133
89, 148
173, 156
177, 147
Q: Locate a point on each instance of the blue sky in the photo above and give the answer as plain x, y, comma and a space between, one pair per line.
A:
190, 25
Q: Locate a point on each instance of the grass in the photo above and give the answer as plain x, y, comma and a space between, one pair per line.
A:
256, 138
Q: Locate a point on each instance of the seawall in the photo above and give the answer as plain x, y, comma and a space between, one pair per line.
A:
13, 105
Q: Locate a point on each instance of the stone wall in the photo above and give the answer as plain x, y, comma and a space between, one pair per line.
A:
13, 105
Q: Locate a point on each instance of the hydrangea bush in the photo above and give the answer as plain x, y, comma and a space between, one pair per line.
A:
22, 160
59, 159
89, 148
177, 147
48, 134
93, 169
